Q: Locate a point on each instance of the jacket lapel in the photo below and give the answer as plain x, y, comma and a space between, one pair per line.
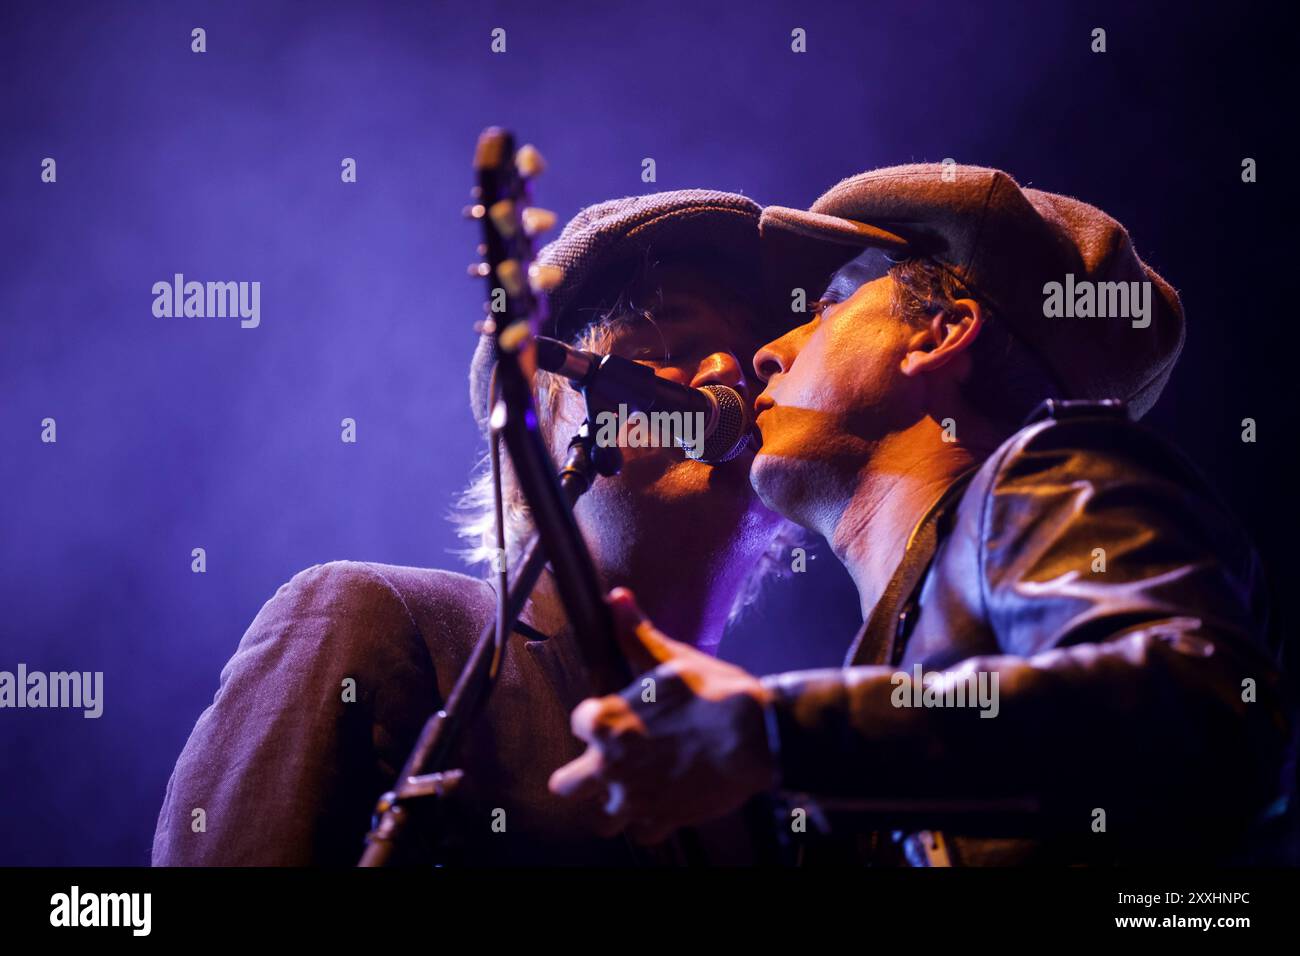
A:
558, 660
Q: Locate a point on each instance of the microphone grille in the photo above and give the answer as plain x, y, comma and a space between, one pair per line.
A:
730, 432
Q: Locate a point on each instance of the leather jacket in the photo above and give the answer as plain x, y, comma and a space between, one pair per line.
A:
1130, 708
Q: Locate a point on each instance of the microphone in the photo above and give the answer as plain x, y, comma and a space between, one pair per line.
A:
618, 381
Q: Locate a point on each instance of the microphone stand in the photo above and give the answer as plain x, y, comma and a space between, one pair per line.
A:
425, 773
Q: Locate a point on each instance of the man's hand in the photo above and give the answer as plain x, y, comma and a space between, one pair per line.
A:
683, 744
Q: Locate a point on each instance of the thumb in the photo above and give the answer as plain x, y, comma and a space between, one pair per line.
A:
642, 643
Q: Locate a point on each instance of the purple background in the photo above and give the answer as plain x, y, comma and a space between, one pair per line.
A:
182, 433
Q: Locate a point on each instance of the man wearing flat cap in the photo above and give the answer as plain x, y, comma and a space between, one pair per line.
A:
1064, 653
284, 768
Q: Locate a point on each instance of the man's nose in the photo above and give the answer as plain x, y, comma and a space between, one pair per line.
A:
775, 357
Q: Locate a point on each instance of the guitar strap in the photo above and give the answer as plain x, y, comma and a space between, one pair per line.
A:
882, 637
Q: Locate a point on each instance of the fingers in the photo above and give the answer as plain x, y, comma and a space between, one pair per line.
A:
642, 643
607, 722
614, 773
580, 779
583, 780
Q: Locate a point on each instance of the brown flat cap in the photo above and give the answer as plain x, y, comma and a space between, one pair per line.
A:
1060, 273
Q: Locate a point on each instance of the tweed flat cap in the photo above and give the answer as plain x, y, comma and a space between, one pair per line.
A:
623, 232
1060, 273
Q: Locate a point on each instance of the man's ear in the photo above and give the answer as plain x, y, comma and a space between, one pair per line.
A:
949, 335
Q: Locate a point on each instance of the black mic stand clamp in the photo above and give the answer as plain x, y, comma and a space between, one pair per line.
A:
605, 460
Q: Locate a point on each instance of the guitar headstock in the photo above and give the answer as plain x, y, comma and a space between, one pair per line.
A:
509, 223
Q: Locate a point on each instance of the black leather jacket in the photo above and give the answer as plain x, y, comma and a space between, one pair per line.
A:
1090, 570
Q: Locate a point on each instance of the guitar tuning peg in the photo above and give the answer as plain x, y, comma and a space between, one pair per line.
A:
503, 217
511, 277
538, 220
544, 278
514, 336
473, 212
529, 161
